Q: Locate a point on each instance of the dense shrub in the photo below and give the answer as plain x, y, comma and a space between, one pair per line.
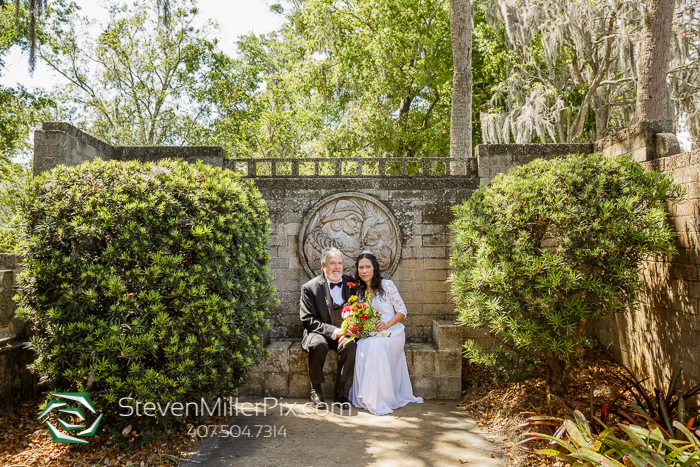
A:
147, 281
543, 251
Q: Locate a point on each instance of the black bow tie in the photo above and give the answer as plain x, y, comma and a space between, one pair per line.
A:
336, 284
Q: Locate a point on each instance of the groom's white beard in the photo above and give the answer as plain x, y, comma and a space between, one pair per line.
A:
334, 276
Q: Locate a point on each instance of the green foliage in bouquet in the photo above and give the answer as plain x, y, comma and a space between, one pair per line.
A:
545, 250
359, 319
147, 281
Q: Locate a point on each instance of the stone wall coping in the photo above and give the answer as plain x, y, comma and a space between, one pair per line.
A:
674, 162
77, 133
213, 155
528, 150
643, 128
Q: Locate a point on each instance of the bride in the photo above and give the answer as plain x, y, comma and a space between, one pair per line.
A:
381, 382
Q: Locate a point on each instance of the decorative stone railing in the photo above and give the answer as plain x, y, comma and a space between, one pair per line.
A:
355, 167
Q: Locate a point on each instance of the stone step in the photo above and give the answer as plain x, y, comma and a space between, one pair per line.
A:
435, 369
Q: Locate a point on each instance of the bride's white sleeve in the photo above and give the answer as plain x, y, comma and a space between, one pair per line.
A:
394, 297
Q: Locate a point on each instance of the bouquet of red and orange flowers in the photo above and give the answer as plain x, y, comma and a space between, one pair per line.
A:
359, 319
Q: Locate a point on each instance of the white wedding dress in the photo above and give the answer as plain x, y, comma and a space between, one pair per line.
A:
381, 382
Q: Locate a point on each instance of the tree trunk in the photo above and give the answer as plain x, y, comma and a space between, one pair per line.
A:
559, 374
653, 59
461, 116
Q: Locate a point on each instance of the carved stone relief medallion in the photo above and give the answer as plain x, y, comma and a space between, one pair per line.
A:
353, 223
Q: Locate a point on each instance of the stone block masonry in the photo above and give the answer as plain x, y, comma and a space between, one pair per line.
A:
665, 327
435, 368
17, 384
500, 158
419, 195
61, 143
422, 208
645, 141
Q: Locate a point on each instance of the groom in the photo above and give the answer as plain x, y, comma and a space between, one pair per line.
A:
322, 299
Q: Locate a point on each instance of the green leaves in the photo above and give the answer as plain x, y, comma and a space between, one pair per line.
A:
644, 446
557, 244
152, 300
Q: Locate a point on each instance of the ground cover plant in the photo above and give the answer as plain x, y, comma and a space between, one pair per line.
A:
545, 250
520, 415
147, 281
634, 426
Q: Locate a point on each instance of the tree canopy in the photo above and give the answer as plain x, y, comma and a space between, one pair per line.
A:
347, 78
20, 109
573, 71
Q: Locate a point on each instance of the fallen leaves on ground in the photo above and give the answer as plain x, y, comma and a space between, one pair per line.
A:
25, 441
501, 410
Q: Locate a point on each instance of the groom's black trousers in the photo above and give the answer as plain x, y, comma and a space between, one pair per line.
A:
318, 349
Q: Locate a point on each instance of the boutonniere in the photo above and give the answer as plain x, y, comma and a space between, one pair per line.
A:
351, 285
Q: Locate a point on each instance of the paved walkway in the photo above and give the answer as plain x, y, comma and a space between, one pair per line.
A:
430, 434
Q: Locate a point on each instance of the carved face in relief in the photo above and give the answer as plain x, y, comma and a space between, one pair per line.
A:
351, 222
344, 218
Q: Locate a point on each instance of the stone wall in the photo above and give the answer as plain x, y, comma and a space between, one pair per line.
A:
500, 158
61, 143
665, 328
645, 141
418, 192
422, 210
11, 327
17, 384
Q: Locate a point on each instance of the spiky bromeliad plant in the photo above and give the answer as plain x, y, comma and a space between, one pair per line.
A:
147, 281
545, 250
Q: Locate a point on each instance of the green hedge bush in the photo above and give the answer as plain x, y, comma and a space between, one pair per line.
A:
147, 281
545, 250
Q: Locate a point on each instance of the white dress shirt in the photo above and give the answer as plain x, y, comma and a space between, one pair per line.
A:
337, 297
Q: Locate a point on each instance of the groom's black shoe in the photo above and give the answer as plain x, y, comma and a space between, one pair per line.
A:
316, 397
339, 396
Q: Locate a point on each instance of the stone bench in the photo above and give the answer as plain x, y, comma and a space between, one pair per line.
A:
435, 368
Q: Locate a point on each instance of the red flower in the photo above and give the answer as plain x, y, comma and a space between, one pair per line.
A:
358, 327
346, 309
365, 317
351, 284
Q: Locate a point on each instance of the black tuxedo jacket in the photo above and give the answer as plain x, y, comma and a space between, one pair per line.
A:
316, 305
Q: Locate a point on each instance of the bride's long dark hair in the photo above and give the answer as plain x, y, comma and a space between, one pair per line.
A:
376, 278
